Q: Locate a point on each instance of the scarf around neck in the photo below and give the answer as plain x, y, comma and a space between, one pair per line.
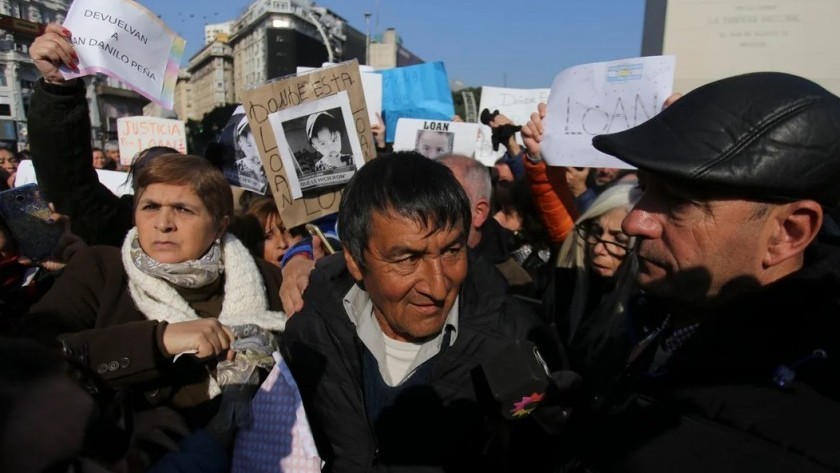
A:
244, 301
189, 274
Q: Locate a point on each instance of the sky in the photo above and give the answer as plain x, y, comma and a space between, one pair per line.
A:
501, 43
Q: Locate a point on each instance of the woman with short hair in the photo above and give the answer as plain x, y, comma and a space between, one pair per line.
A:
179, 285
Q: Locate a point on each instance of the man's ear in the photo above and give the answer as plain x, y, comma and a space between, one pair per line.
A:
480, 212
352, 266
796, 226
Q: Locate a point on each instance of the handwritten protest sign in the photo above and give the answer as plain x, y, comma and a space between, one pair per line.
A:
116, 181
241, 163
138, 133
420, 91
604, 97
123, 39
516, 104
433, 138
371, 84
297, 95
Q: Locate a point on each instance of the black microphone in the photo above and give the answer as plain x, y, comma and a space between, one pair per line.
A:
518, 378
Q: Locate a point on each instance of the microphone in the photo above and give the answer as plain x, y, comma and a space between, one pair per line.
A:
518, 378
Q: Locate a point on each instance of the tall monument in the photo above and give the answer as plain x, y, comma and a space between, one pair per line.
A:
712, 40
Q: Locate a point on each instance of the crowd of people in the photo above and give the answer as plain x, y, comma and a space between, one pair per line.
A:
680, 316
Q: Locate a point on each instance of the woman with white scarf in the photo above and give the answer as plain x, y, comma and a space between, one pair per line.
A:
157, 315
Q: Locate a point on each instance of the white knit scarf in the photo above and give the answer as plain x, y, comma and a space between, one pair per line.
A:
244, 302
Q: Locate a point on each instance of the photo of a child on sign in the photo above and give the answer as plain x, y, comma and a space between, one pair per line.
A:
238, 153
432, 144
323, 149
247, 156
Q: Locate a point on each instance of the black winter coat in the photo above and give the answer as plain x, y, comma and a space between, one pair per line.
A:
59, 137
449, 426
719, 404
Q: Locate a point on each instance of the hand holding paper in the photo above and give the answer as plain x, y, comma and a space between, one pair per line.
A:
532, 132
52, 50
124, 40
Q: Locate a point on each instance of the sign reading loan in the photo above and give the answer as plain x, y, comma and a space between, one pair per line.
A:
124, 40
599, 98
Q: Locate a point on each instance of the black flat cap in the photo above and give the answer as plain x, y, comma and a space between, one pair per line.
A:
766, 136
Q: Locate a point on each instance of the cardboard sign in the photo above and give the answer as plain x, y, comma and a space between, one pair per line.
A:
371, 84
291, 93
600, 98
241, 163
124, 40
433, 138
116, 181
420, 91
138, 133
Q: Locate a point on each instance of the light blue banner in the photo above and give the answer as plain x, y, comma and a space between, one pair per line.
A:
420, 91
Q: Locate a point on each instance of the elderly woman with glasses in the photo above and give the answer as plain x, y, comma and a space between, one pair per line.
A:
589, 261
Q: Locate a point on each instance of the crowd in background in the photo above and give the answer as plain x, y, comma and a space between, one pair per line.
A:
158, 315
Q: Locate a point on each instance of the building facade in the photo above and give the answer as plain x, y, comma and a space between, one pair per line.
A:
211, 78
387, 51
183, 97
273, 37
218, 32
712, 40
20, 22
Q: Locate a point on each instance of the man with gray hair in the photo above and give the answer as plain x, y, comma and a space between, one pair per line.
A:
487, 238
112, 151
475, 179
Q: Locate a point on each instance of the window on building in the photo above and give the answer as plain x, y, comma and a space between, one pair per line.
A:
15, 9
5, 110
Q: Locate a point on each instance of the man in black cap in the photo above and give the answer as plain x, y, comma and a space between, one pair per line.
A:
737, 337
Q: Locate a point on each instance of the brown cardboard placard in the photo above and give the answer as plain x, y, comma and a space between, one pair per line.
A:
290, 92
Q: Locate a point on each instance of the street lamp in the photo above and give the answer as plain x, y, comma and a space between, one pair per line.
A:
367, 39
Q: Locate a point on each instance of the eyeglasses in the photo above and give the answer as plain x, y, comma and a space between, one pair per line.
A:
593, 233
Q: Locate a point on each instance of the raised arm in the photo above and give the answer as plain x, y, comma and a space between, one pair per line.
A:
59, 136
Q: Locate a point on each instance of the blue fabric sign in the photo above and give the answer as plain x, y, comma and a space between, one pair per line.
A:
420, 91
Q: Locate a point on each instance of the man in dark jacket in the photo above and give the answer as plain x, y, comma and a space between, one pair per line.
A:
387, 348
738, 367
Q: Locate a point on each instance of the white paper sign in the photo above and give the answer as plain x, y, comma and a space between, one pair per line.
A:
433, 138
123, 39
516, 104
600, 98
138, 133
371, 85
117, 182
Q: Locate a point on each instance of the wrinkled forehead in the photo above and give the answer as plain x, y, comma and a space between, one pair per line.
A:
418, 221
